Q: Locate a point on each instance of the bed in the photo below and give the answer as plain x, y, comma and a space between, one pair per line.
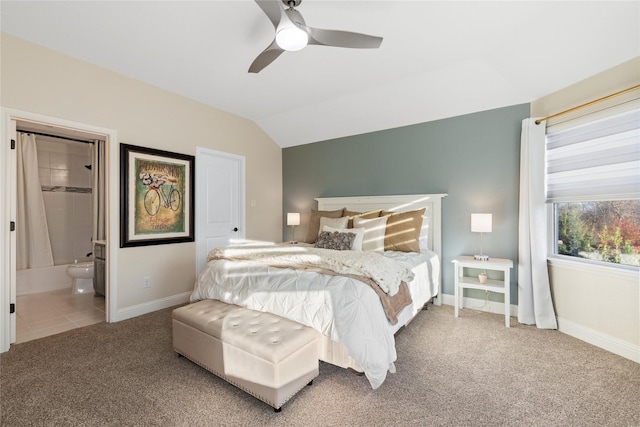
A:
355, 330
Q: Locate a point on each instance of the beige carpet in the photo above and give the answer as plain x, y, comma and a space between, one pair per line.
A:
469, 371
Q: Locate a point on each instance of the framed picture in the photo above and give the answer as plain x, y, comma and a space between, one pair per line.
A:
156, 197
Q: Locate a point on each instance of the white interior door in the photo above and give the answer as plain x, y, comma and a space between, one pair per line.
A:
220, 214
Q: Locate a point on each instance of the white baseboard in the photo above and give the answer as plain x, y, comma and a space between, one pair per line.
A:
149, 307
495, 307
604, 341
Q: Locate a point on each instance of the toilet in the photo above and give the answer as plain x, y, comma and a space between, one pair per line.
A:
82, 274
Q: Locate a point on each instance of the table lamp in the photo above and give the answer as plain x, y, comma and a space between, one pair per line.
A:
293, 219
481, 223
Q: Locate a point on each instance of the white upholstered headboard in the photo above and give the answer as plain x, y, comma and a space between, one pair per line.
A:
432, 222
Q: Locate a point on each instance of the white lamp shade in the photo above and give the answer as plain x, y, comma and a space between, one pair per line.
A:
481, 223
293, 218
291, 38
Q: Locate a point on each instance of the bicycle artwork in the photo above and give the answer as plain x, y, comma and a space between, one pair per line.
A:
156, 196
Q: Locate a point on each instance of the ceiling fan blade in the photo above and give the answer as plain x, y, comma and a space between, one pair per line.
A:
273, 9
266, 57
341, 38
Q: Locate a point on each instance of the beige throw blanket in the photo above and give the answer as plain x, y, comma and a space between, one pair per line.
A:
385, 276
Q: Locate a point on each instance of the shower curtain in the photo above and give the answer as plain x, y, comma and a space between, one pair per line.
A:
32, 232
98, 155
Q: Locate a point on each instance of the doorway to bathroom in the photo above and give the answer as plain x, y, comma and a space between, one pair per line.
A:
59, 218
41, 299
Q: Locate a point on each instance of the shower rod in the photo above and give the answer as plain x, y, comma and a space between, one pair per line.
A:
86, 141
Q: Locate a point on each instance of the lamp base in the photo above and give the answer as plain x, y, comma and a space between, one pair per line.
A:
481, 257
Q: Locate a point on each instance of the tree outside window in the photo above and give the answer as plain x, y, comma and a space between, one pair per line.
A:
607, 231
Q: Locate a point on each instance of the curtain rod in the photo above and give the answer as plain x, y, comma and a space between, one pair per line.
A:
587, 104
86, 141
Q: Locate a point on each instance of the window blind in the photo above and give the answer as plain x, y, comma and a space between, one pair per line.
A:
599, 160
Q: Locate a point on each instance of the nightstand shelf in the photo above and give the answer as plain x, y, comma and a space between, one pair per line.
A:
491, 285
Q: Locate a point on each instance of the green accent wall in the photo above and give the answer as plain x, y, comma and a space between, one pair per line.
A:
473, 158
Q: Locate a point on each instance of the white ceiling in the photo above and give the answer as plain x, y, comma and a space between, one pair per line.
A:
438, 58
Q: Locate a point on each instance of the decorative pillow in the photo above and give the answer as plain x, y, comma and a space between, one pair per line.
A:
359, 232
314, 223
335, 240
373, 232
365, 215
403, 231
332, 222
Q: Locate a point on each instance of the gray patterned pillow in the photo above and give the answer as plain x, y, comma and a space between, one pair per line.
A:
335, 240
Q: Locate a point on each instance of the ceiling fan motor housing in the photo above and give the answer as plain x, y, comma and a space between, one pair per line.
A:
291, 3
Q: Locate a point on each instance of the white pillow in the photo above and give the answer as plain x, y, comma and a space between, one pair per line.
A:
333, 222
359, 232
374, 229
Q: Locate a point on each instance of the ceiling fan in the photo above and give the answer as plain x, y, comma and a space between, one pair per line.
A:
292, 34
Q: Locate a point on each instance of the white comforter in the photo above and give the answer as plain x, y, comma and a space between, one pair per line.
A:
344, 309
386, 272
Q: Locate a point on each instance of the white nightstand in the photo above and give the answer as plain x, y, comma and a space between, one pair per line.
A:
500, 286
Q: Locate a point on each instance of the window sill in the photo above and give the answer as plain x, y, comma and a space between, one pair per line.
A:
622, 272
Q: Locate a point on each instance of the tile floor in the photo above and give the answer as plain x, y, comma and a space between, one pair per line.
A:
49, 313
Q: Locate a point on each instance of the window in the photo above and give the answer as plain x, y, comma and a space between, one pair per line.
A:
606, 231
593, 187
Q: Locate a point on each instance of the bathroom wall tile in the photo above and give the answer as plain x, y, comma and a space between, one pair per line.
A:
45, 176
75, 173
61, 252
75, 179
82, 246
53, 200
81, 175
43, 158
47, 196
56, 216
82, 219
82, 207
48, 144
59, 161
82, 203
56, 222
59, 177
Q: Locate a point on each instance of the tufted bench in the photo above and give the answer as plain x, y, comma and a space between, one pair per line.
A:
267, 356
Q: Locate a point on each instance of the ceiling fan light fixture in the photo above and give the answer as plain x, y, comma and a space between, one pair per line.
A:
291, 38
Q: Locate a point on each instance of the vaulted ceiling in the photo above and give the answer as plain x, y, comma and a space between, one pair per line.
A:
438, 58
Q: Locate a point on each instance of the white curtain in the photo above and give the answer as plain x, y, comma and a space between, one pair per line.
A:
32, 232
98, 189
534, 293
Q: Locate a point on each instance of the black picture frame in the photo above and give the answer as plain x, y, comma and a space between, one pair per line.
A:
156, 197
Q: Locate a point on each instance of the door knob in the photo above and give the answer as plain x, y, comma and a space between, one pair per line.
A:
235, 228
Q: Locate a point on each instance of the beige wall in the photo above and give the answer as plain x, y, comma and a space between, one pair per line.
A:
599, 305
41, 81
